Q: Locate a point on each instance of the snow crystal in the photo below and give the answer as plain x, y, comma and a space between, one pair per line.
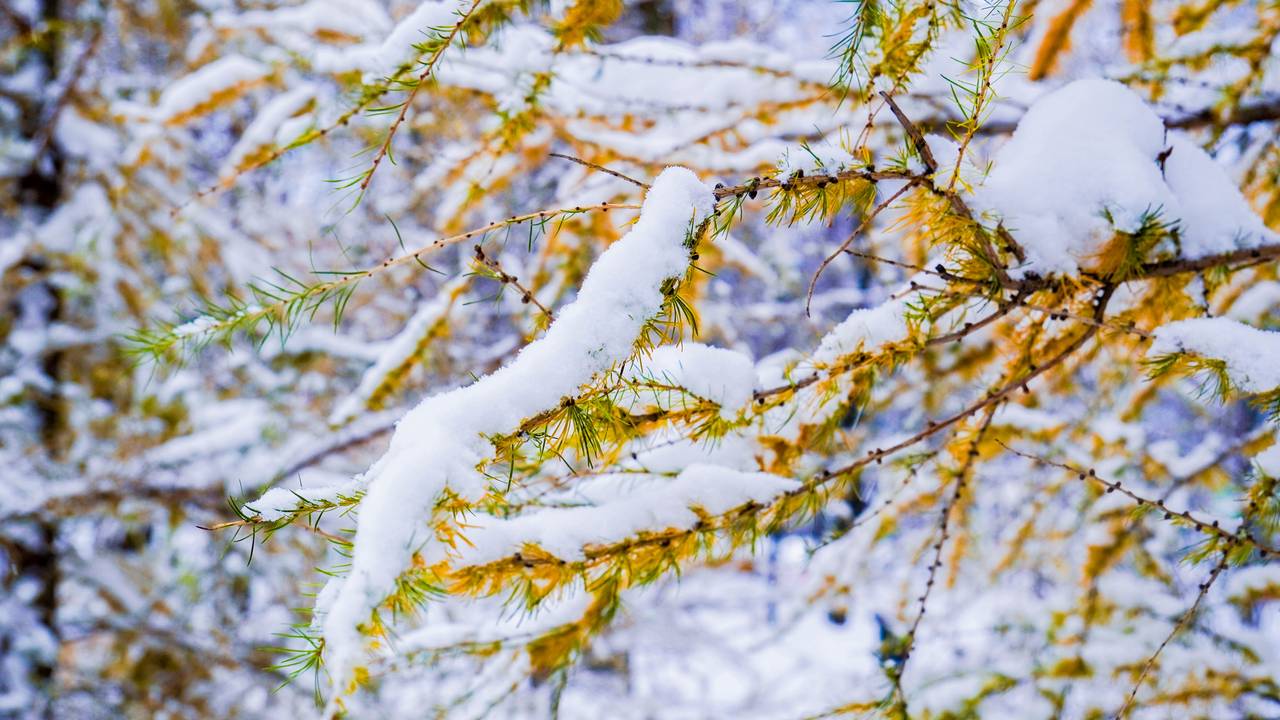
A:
1252, 356
1085, 161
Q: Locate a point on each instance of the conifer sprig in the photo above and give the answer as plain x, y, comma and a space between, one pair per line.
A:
279, 306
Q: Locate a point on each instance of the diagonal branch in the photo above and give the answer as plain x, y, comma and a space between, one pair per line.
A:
863, 225
429, 68
1183, 622
601, 168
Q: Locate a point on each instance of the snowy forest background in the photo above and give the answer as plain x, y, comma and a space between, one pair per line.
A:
879, 409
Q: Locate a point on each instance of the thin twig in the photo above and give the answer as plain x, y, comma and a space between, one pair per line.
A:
351, 278
958, 205
252, 522
863, 225
526, 295
764, 183
45, 134
962, 477
860, 359
593, 555
601, 168
1212, 527
429, 68
1182, 624
981, 98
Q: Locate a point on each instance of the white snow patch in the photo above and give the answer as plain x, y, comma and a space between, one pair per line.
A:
1268, 461
658, 506
725, 377
1252, 355
1085, 163
398, 350
265, 128
221, 75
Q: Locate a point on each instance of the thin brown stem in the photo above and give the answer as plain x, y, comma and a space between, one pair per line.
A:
962, 478
601, 168
526, 295
862, 225
1212, 527
428, 69
1183, 622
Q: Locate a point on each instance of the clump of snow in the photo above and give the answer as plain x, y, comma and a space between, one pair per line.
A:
669, 453
1085, 161
1183, 465
1252, 356
345, 17
1256, 302
722, 376
868, 328
231, 425
1254, 578
443, 634
200, 87
1213, 216
82, 138
1024, 418
280, 502
1268, 461
657, 507
440, 443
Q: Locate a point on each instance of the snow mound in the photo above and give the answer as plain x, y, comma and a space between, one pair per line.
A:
1091, 159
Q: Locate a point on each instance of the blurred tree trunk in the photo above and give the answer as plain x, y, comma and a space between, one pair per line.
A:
42, 188
657, 17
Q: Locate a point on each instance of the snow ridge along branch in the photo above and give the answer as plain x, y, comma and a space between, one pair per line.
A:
440, 444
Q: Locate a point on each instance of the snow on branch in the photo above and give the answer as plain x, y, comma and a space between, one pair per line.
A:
1091, 180
396, 359
214, 84
699, 490
1236, 356
439, 445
